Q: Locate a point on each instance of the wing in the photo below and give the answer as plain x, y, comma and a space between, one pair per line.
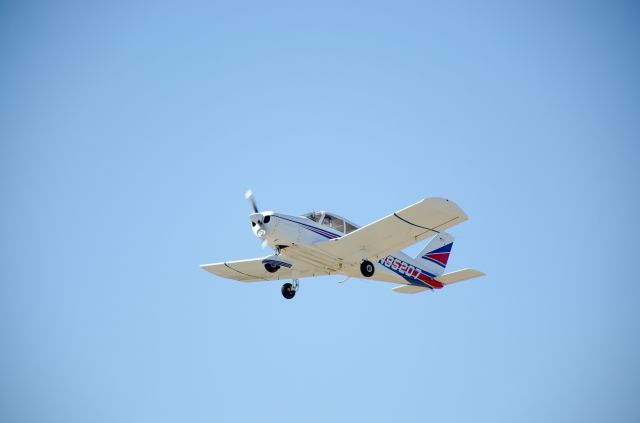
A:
396, 231
253, 270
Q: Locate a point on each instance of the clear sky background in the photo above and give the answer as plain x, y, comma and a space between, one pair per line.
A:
130, 131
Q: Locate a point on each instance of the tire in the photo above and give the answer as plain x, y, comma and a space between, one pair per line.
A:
367, 269
287, 291
271, 268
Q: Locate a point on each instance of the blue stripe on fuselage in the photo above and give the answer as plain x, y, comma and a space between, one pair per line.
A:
323, 232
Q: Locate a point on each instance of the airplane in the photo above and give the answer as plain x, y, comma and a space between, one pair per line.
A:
320, 243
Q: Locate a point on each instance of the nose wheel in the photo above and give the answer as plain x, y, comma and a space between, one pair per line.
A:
289, 289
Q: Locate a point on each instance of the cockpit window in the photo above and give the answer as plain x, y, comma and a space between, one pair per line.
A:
333, 222
315, 216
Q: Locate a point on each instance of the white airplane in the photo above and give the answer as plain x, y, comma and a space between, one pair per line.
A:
322, 243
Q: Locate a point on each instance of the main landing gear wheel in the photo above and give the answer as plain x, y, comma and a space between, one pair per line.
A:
367, 269
289, 289
271, 268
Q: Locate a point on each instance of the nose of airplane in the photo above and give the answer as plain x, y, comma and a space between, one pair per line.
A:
258, 224
259, 221
256, 219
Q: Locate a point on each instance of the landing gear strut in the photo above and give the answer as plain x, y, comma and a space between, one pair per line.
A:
289, 289
367, 269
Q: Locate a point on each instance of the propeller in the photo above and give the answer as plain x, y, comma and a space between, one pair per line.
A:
252, 201
260, 232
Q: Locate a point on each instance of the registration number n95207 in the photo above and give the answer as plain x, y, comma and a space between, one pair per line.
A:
400, 266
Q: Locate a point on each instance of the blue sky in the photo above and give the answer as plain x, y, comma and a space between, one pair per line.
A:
130, 131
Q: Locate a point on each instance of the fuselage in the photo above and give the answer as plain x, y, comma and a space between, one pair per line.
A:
296, 237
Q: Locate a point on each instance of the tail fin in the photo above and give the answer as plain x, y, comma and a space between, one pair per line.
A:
436, 254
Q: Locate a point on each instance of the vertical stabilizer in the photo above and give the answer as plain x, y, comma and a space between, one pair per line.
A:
436, 254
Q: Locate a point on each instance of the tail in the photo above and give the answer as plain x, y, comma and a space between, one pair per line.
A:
436, 254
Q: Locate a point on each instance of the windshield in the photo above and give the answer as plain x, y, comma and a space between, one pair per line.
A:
315, 216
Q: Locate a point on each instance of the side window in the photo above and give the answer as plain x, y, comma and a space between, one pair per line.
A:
333, 222
349, 228
337, 224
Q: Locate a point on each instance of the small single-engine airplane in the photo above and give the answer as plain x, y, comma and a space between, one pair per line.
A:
321, 243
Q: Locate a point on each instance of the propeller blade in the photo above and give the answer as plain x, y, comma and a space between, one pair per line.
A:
252, 201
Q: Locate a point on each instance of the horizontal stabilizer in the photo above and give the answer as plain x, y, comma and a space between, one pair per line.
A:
409, 289
459, 276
